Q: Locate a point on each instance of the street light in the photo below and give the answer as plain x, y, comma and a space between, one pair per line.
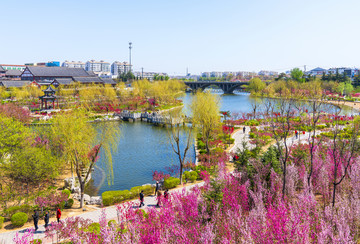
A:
130, 43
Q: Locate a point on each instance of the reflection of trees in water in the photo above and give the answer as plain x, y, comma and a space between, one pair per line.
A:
91, 189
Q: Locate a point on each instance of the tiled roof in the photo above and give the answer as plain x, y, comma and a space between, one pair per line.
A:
14, 83
88, 79
13, 72
91, 73
57, 71
64, 81
108, 81
2, 69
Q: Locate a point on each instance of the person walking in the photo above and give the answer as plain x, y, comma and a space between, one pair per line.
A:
244, 129
46, 219
36, 219
296, 134
159, 196
157, 187
58, 214
141, 199
166, 195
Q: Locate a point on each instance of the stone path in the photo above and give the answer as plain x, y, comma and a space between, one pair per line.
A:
150, 201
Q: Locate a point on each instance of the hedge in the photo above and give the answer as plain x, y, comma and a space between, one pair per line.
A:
171, 182
19, 219
22, 208
1, 221
112, 197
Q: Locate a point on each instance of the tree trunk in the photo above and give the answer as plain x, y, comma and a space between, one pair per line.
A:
82, 189
334, 192
181, 173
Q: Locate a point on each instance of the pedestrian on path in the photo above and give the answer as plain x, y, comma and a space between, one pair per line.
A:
141, 199
166, 195
159, 197
296, 134
157, 187
244, 129
36, 219
58, 214
46, 219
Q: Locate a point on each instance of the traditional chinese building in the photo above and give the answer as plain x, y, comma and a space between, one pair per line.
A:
49, 98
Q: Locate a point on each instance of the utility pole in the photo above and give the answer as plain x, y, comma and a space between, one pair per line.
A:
130, 46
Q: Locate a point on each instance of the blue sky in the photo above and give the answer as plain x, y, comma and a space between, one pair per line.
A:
169, 36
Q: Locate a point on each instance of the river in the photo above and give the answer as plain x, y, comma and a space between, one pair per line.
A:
144, 148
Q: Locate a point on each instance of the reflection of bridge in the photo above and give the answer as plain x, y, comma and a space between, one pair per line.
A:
227, 87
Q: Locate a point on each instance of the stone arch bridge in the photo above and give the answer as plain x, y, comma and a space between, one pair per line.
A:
227, 86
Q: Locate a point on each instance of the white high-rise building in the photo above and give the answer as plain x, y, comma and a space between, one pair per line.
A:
118, 68
73, 64
97, 66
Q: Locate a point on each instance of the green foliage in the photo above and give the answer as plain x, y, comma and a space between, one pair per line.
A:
15, 209
297, 75
215, 194
36, 241
67, 192
171, 182
1, 222
94, 228
112, 197
111, 222
190, 176
148, 190
201, 145
256, 85
19, 219
271, 157
252, 122
69, 203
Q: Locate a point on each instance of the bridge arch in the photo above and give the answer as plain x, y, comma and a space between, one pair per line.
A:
227, 87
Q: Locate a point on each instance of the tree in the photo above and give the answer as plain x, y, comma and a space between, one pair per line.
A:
205, 114
256, 85
348, 88
297, 74
179, 135
81, 144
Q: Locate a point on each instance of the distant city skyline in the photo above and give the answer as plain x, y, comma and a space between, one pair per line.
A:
173, 36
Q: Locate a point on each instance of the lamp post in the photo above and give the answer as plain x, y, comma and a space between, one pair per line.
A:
130, 46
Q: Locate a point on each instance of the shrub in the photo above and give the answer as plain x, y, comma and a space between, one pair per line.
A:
111, 222
94, 228
1, 221
36, 241
171, 182
112, 197
193, 176
69, 203
67, 192
201, 145
19, 219
202, 151
15, 209
148, 190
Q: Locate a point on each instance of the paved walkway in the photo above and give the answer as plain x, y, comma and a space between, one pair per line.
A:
241, 137
150, 201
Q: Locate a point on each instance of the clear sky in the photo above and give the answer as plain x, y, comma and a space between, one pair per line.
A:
171, 35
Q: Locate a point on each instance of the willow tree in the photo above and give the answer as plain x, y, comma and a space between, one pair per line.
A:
82, 142
205, 112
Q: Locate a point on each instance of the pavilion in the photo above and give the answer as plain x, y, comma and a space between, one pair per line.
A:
48, 98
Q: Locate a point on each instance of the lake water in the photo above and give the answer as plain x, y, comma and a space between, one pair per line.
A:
144, 148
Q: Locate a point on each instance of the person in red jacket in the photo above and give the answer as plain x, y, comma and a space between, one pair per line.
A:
58, 214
